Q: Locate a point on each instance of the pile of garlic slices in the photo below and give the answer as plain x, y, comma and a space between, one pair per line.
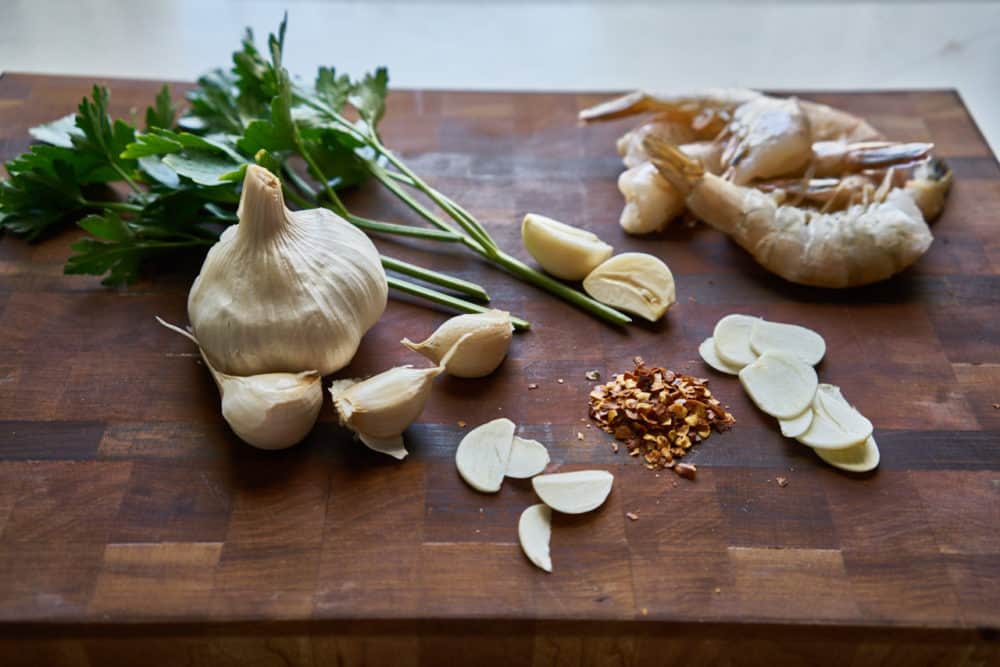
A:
492, 451
285, 297
774, 362
635, 282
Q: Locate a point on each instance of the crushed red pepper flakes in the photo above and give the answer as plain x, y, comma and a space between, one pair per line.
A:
658, 414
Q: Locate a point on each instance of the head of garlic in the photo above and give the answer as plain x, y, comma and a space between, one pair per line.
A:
380, 408
486, 345
268, 411
284, 290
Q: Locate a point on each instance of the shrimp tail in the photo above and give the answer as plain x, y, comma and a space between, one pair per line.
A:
929, 187
680, 170
685, 105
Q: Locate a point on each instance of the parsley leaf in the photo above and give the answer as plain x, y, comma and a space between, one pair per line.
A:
100, 135
368, 97
59, 132
163, 112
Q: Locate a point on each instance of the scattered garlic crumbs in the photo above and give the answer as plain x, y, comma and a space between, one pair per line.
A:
560, 380
782, 481
632, 515
579, 435
593, 375
686, 470
532, 386
461, 423
657, 413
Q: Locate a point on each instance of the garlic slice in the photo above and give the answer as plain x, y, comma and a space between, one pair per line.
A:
780, 384
732, 339
483, 454
534, 531
527, 458
480, 354
856, 458
836, 423
565, 251
634, 282
796, 426
574, 492
791, 338
711, 357
267, 411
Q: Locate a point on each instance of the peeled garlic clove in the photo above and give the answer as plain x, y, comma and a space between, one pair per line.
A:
534, 530
565, 251
574, 492
480, 354
527, 458
732, 339
781, 385
634, 282
796, 426
285, 290
711, 357
836, 423
804, 343
856, 458
483, 455
268, 411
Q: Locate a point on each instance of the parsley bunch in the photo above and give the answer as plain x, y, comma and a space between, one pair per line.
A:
183, 175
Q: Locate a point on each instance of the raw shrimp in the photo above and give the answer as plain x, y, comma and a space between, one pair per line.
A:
650, 201
663, 126
858, 246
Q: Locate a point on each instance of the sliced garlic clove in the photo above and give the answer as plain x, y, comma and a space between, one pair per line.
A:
732, 339
565, 251
836, 423
393, 446
534, 530
483, 455
489, 336
711, 357
796, 426
574, 492
634, 282
527, 458
863, 457
781, 385
804, 343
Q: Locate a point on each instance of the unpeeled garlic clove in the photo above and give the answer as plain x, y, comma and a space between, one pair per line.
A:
267, 411
489, 336
565, 251
534, 531
574, 492
634, 282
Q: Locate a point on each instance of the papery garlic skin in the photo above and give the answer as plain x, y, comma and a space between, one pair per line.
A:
489, 336
273, 410
283, 290
564, 251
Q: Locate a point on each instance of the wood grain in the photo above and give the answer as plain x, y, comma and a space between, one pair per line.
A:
134, 527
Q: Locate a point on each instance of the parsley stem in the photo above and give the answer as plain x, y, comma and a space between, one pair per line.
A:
403, 230
443, 299
128, 179
435, 277
112, 205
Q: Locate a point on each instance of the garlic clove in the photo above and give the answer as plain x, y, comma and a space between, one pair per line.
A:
732, 339
565, 251
267, 411
574, 492
534, 531
393, 446
483, 351
483, 455
285, 290
863, 457
385, 404
711, 357
780, 384
796, 426
791, 338
836, 423
634, 282
527, 458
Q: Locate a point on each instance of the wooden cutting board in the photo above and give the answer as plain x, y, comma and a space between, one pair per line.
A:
136, 529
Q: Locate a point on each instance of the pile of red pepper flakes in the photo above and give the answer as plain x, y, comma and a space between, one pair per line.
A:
659, 414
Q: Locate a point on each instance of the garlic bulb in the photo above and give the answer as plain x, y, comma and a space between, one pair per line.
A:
268, 411
480, 354
380, 408
285, 289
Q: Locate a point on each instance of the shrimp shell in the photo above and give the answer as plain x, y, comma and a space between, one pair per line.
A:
861, 245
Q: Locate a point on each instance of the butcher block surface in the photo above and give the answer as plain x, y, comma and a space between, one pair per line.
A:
128, 508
